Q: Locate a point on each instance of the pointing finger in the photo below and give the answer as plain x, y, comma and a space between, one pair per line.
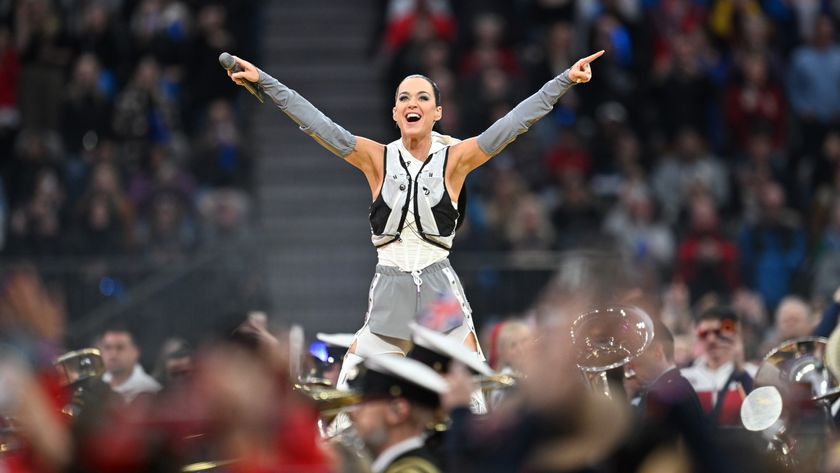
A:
593, 57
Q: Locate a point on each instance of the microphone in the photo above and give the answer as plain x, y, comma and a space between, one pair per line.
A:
229, 63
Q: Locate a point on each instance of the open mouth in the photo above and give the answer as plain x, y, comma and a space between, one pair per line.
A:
412, 117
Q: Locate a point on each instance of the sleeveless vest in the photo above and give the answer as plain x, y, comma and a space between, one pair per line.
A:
425, 197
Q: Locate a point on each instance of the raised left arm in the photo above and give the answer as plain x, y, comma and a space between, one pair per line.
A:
473, 152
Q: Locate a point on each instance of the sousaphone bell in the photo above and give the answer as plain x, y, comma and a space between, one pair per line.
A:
793, 390
607, 338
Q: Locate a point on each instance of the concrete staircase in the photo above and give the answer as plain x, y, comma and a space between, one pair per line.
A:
313, 206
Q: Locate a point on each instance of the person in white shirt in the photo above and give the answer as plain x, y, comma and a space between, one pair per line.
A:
122, 368
720, 378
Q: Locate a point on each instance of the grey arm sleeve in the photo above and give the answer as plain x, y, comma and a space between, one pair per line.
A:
494, 139
312, 121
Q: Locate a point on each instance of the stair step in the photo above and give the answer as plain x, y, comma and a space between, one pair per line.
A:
336, 253
297, 36
283, 174
287, 209
319, 224
309, 82
312, 8
339, 72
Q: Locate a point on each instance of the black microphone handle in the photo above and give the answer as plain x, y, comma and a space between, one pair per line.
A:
250, 87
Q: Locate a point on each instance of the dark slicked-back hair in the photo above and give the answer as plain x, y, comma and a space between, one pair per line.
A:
722, 313
119, 326
435, 88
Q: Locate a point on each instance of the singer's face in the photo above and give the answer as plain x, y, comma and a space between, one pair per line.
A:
415, 110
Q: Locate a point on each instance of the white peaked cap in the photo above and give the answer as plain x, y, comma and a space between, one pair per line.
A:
336, 339
408, 370
443, 345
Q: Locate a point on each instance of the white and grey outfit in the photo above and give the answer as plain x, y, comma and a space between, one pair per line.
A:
414, 219
413, 222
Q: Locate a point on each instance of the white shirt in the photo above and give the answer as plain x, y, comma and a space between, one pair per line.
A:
139, 382
705, 379
389, 454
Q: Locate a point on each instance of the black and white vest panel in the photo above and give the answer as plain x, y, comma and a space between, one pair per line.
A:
424, 198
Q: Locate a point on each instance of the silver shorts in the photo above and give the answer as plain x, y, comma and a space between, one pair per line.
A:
432, 296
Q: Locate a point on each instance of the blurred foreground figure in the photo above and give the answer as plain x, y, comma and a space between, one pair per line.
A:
31, 393
552, 422
668, 415
514, 336
229, 408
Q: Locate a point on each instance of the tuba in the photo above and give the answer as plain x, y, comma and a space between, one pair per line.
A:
797, 368
794, 390
607, 338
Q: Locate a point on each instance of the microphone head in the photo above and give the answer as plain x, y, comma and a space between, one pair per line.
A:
227, 61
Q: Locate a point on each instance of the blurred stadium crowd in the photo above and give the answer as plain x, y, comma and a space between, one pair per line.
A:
118, 132
121, 143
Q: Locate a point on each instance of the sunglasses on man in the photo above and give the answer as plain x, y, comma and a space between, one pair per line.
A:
719, 333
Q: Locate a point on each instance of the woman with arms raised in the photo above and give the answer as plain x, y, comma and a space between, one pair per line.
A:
415, 184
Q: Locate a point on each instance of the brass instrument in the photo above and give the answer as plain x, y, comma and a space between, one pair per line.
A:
496, 381
607, 338
328, 401
78, 370
832, 362
798, 365
761, 411
9, 435
79, 365
205, 466
796, 371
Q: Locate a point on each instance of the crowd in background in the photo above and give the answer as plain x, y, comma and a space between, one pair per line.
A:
118, 130
121, 146
706, 149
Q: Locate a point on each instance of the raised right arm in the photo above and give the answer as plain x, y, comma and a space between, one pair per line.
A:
358, 151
